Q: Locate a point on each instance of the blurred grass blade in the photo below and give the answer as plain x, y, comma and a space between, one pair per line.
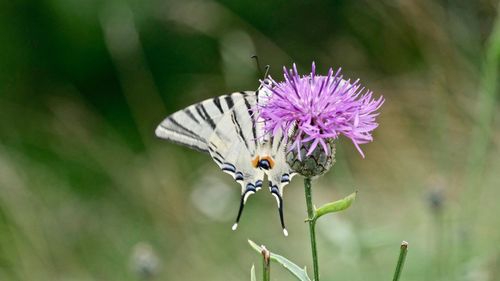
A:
252, 273
336, 206
401, 260
481, 136
294, 269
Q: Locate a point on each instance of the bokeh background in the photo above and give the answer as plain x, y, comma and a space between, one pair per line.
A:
88, 193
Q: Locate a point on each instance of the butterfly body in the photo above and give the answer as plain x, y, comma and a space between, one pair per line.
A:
227, 127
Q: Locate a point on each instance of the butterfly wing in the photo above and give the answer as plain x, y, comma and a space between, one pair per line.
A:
193, 126
226, 128
234, 145
280, 174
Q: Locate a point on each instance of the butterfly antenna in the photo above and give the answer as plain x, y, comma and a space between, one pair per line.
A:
279, 199
250, 189
263, 74
267, 71
258, 63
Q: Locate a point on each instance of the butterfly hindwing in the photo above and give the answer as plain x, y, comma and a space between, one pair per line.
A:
234, 144
279, 173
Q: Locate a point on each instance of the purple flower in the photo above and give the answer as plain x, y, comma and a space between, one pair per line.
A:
317, 108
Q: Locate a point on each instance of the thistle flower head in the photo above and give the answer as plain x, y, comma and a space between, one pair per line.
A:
319, 108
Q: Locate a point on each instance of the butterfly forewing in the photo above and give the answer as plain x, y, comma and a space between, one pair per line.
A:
194, 125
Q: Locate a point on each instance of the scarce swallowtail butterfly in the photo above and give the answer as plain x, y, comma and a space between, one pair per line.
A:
227, 128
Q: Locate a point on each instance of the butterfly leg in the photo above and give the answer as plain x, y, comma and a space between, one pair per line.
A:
249, 190
279, 200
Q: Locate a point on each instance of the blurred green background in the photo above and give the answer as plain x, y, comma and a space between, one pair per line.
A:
88, 193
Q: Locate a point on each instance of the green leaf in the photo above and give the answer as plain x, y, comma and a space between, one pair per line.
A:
336, 206
252, 274
294, 269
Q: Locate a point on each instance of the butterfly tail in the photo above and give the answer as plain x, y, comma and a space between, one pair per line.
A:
278, 194
248, 190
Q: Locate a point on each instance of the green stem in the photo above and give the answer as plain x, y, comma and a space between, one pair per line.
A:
312, 224
401, 261
266, 264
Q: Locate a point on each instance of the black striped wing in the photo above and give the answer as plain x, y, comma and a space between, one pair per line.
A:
223, 127
280, 174
226, 128
275, 146
193, 125
234, 145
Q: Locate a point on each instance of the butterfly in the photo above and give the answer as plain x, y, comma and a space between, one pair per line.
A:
227, 128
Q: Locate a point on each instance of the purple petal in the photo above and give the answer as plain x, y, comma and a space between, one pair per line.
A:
320, 107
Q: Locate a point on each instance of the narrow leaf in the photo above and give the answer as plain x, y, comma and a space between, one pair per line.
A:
336, 206
294, 269
252, 274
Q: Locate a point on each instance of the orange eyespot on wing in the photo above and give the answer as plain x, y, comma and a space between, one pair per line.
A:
255, 161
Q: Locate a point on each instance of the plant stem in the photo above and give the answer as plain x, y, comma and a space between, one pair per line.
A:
401, 261
312, 224
266, 264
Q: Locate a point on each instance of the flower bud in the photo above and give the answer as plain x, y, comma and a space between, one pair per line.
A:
313, 165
